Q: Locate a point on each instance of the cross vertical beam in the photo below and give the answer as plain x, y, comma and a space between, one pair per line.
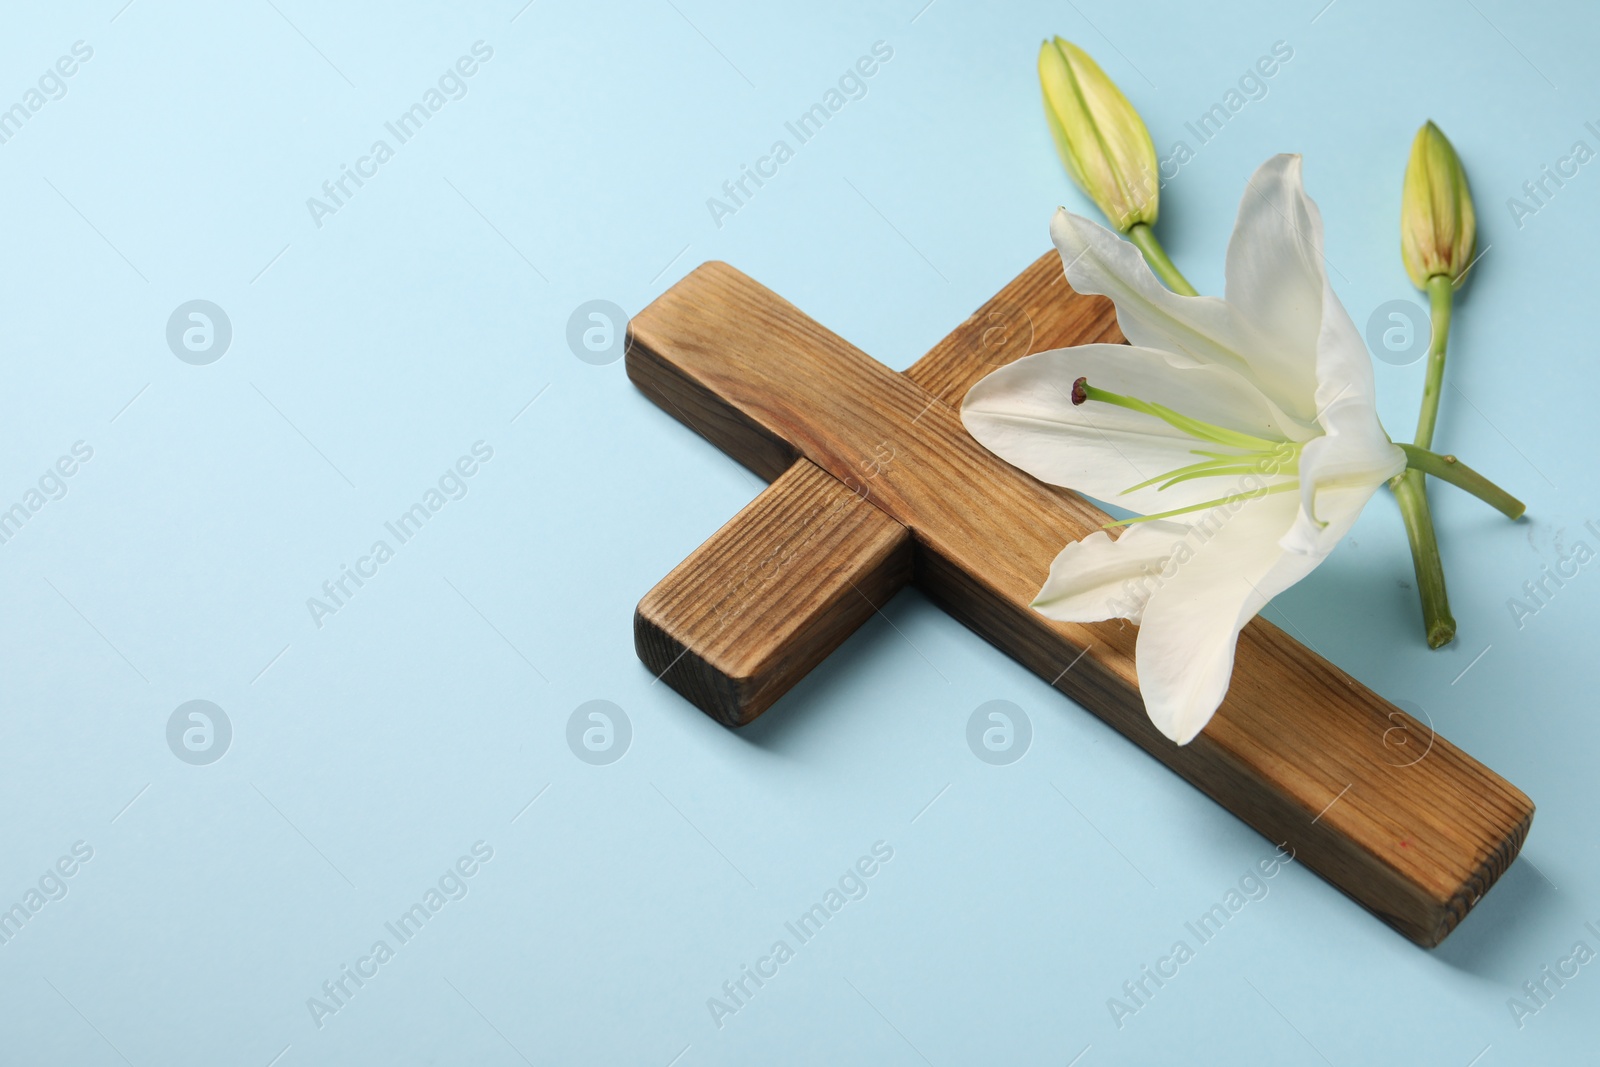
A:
1418, 843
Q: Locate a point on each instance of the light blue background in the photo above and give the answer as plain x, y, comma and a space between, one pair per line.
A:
369, 353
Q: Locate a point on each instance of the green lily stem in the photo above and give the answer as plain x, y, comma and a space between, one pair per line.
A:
1144, 238
1411, 490
1411, 487
1440, 290
1450, 469
1411, 493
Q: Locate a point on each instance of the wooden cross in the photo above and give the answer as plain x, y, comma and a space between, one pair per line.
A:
875, 483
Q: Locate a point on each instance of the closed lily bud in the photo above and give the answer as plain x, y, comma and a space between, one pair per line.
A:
1099, 135
1438, 228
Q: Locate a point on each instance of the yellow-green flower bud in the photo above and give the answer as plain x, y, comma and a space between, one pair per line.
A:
1438, 228
1099, 135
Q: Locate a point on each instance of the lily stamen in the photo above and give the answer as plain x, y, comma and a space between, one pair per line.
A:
1082, 391
1249, 494
1259, 455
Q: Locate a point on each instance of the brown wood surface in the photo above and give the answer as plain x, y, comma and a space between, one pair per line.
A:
735, 625
1299, 750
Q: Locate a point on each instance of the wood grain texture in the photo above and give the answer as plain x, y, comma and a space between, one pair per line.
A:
1299, 750
735, 625
1035, 312
734, 673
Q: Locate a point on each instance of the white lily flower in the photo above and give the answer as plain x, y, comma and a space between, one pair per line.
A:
1244, 429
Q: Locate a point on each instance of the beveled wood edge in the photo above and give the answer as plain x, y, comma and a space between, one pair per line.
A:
735, 693
729, 701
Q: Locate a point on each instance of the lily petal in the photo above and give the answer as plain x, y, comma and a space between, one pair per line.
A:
1097, 578
1024, 413
1354, 452
1191, 623
1275, 274
1346, 395
1338, 475
1205, 328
